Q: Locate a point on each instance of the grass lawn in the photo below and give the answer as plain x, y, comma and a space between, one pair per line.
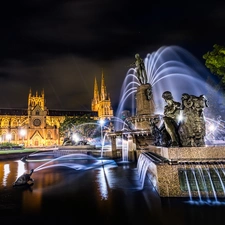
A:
7, 151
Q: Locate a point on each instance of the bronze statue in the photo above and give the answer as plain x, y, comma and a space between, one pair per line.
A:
148, 93
188, 131
140, 70
171, 119
24, 179
192, 128
186, 126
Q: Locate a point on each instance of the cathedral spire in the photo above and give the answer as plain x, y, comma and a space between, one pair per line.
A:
43, 92
96, 92
95, 100
103, 88
29, 97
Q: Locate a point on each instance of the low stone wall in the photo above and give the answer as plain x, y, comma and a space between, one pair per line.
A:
76, 147
94, 152
191, 153
165, 176
13, 155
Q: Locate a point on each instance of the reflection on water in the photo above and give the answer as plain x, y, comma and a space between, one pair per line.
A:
103, 191
6, 172
102, 183
21, 168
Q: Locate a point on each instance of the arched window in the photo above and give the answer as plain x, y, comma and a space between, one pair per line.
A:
13, 136
4, 137
5, 123
14, 123
49, 136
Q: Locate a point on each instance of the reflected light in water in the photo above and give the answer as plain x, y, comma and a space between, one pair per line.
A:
6, 173
102, 184
21, 168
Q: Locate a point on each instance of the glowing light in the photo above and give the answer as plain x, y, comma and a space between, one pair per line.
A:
23, 132
8, 137
212, 127
6, 173
76, 137
101, 121
180, 117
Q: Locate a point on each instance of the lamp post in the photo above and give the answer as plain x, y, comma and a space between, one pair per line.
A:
75, 138
8, 137
23, 132
101, 124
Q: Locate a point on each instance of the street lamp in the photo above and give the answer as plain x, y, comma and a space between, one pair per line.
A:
23, 133
101, 124
75, 138
8, 137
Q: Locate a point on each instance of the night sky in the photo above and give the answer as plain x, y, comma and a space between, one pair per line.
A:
62, 45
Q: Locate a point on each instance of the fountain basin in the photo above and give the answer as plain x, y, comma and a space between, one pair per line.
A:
186, 172
182, 153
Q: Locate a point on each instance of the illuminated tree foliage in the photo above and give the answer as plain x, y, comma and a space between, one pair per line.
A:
71, 122
215, 61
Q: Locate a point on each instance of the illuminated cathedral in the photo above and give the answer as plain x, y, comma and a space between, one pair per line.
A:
35, 126
38, 126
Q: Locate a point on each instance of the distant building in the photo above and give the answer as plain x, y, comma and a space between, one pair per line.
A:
101, 102
35, 126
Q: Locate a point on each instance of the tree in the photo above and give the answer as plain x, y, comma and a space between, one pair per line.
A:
70, 123
215, 61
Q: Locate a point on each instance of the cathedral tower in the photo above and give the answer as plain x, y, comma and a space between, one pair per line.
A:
34, 100
101, 102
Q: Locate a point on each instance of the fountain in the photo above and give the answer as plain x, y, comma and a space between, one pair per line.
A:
89, 138
172, 151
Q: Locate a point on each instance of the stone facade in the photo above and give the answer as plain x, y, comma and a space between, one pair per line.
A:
36, 126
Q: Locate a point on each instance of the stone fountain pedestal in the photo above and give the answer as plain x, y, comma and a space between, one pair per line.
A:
144, 101
140, 123
145, 108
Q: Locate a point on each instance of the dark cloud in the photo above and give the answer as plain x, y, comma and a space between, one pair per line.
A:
61, 45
